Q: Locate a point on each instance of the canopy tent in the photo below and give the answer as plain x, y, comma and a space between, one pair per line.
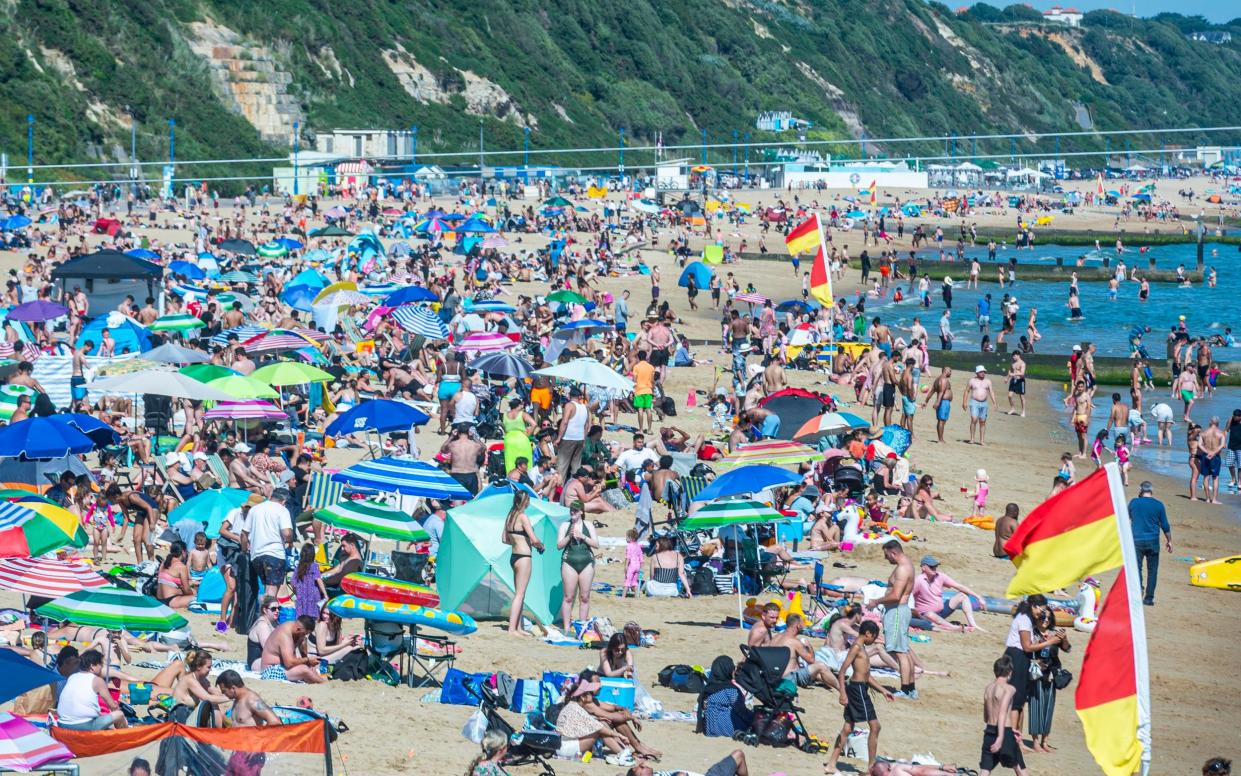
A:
794, 406
474, 574
127, 333
108, 277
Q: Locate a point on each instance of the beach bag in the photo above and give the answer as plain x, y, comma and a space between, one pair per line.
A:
460, 688
352, 667
1061, 678
475, 727
149, 586
682, 678
702, 581
772, 727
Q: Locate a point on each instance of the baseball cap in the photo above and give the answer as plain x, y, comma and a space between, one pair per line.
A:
242, 447
1077, 347
1146, 487
929, 560
200, 456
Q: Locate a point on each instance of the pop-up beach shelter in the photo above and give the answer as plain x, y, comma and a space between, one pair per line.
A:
474, 574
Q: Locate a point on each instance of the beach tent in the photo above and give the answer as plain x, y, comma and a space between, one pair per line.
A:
474, 575
108, 277
127, 333
794, 406
701, 272
713, 254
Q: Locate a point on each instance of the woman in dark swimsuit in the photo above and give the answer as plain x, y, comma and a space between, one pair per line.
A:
577, 570
142, 510
519, 535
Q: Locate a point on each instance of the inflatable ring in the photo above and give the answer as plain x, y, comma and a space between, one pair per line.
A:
904, 536
455, 623
388, 590
1085, 624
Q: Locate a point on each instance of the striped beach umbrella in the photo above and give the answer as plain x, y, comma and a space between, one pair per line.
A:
751, 298
243, 333
239, 276
113, 608
402, 475
47, 577
380, 289
273, 250
32, 528
420, 320
829, 423
24, 747
371, 518
484, 342
177, 322
775, 451
189, 291
252, 409
290, 373
278, 341
718, 514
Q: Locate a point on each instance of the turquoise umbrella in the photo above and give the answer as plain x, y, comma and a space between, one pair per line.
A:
209, 508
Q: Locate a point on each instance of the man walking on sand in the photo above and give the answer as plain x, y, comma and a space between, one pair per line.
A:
1017, 383
1210, 459
1147, 517
979, 396
896, 615
999, 741
941, 392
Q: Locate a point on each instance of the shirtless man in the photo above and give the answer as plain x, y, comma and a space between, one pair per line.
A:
888, 395
1210, 459
1082, 405
148, 314
1118, 417
855, 697
909, 395
941, 390
249, 710
582, 488
812, 672
896, 614
285, 651
25, 376
999, 740
761, 632
233, 317
1017, 383
978, 397
825, 533
773, 378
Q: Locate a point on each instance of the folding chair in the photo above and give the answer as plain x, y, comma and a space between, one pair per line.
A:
217, 467
819, 605
768, 574
323, 492
431, 666
409, 566
167, 485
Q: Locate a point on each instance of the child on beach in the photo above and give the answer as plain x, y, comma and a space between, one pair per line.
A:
982, 487
1000, 741
308, 589
633, 563
1122, 457
855, 696
202, 558
1097, 449
100, 518
1068, 472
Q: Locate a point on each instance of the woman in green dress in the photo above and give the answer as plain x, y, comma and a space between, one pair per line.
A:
518, 426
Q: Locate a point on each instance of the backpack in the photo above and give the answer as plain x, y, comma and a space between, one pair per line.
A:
352, 666
668, 406
772, 727
149, 586
682, 678
702, 581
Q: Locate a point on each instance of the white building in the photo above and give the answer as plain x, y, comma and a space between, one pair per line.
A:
366, 143
1057, 15
779, 121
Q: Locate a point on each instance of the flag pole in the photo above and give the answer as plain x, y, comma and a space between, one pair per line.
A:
1137, 615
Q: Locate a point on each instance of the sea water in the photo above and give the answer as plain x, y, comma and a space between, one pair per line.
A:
1105, 323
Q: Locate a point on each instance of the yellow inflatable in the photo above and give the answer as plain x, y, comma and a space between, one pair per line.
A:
985, 522
1222, 573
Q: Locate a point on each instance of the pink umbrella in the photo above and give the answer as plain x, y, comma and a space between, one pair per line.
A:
485, 342
253, 409
495, 241
23, 747
47, 577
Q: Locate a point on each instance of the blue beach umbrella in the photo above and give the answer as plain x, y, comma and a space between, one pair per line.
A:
379, 415
187, 270
402, 475
95, 429
209, 508
410, 295
289, 243
420, 320
796, 306
142, 253
747, 479
21, 675
300, 297
42, 438
475, 225
13, 223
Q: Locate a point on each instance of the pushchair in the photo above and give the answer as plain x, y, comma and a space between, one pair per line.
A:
527, 747
777, 720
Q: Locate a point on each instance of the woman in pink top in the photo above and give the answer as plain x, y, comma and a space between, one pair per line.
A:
929, 603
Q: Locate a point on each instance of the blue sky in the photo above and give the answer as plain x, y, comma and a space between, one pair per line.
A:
1214, 10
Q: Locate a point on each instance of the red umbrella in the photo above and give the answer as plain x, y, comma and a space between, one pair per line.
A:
47, 577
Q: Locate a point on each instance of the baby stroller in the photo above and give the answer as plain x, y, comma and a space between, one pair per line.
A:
528, 747
777, 720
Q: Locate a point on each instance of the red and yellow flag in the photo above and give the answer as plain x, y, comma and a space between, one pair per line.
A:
874, 191
1112, 696
809, 236
1071, 535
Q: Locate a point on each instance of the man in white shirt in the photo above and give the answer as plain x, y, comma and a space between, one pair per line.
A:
465, 405
268, 530
634, 458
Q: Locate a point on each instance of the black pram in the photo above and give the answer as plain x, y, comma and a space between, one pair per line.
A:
777, 720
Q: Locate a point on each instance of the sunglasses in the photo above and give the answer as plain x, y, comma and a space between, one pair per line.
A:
272, 609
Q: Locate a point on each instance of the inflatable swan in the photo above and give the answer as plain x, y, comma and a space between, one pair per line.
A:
1087, 605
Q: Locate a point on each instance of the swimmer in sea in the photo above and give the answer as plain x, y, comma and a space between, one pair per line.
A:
1074, 304
1211, 278
1144, 291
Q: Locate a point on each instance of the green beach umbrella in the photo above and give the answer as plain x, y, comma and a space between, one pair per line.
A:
557, 202
209, 508
718, 514
273, 250
566, 296
178, 322
113, 608
473, 570
290, 373
373, 519
330, 231
242, 387
205, 373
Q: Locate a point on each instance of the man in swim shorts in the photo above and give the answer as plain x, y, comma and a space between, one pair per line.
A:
999, 741
980, 394
896, 614
855, 696
1017, 383
941, 389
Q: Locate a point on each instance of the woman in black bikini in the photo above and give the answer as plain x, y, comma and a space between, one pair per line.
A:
519, 535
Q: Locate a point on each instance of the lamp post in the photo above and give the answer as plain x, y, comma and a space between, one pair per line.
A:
525, 149
480, 151
295, 150
30, 148
704, 146
620, 164
413, 145
735, 134
747, 154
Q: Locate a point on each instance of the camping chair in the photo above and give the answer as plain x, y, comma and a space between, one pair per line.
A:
750, 562
820, 605
388, 640
323, 492
167, 485
217, 467
409, 566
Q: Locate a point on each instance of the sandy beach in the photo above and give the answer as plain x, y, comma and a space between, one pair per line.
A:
1195, 697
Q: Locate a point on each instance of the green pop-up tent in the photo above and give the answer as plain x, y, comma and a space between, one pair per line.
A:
473, 572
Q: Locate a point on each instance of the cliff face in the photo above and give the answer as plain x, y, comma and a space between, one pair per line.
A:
237, 75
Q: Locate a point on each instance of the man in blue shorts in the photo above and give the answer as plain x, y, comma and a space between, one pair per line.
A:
979, 396
941, 392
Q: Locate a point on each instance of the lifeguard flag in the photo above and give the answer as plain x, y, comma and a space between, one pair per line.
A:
1073, 534
808, 236
1113, 697
805, 237
874, 191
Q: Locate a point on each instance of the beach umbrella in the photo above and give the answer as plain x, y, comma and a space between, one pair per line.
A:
278, 341
747, 479
36, 311
773, 451
420, 320
804, 334
794, 406
240, 247
402, 475
290, 373
32, 528
14, 222
565, 296
143, 253
491, 306
475, 225
484, 342
724, 512
172, 353
502, 365
18, 495
207, 372
379, 415
410, 295
47, 577
40, 437
588, 371
896, 437
160, 383
114, 608
239, 276
495, 242
31, 473
272, 250
242, 333
585, 326
341, 298
178, 322
335, 211
330, 231
289, 243
557, 202
754, 298
95, 429
24, 747
22, 675
187, 270
829, 423
372, 518
253, 409
431, 226
299, 297
796, 306
233, 387
209, 508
